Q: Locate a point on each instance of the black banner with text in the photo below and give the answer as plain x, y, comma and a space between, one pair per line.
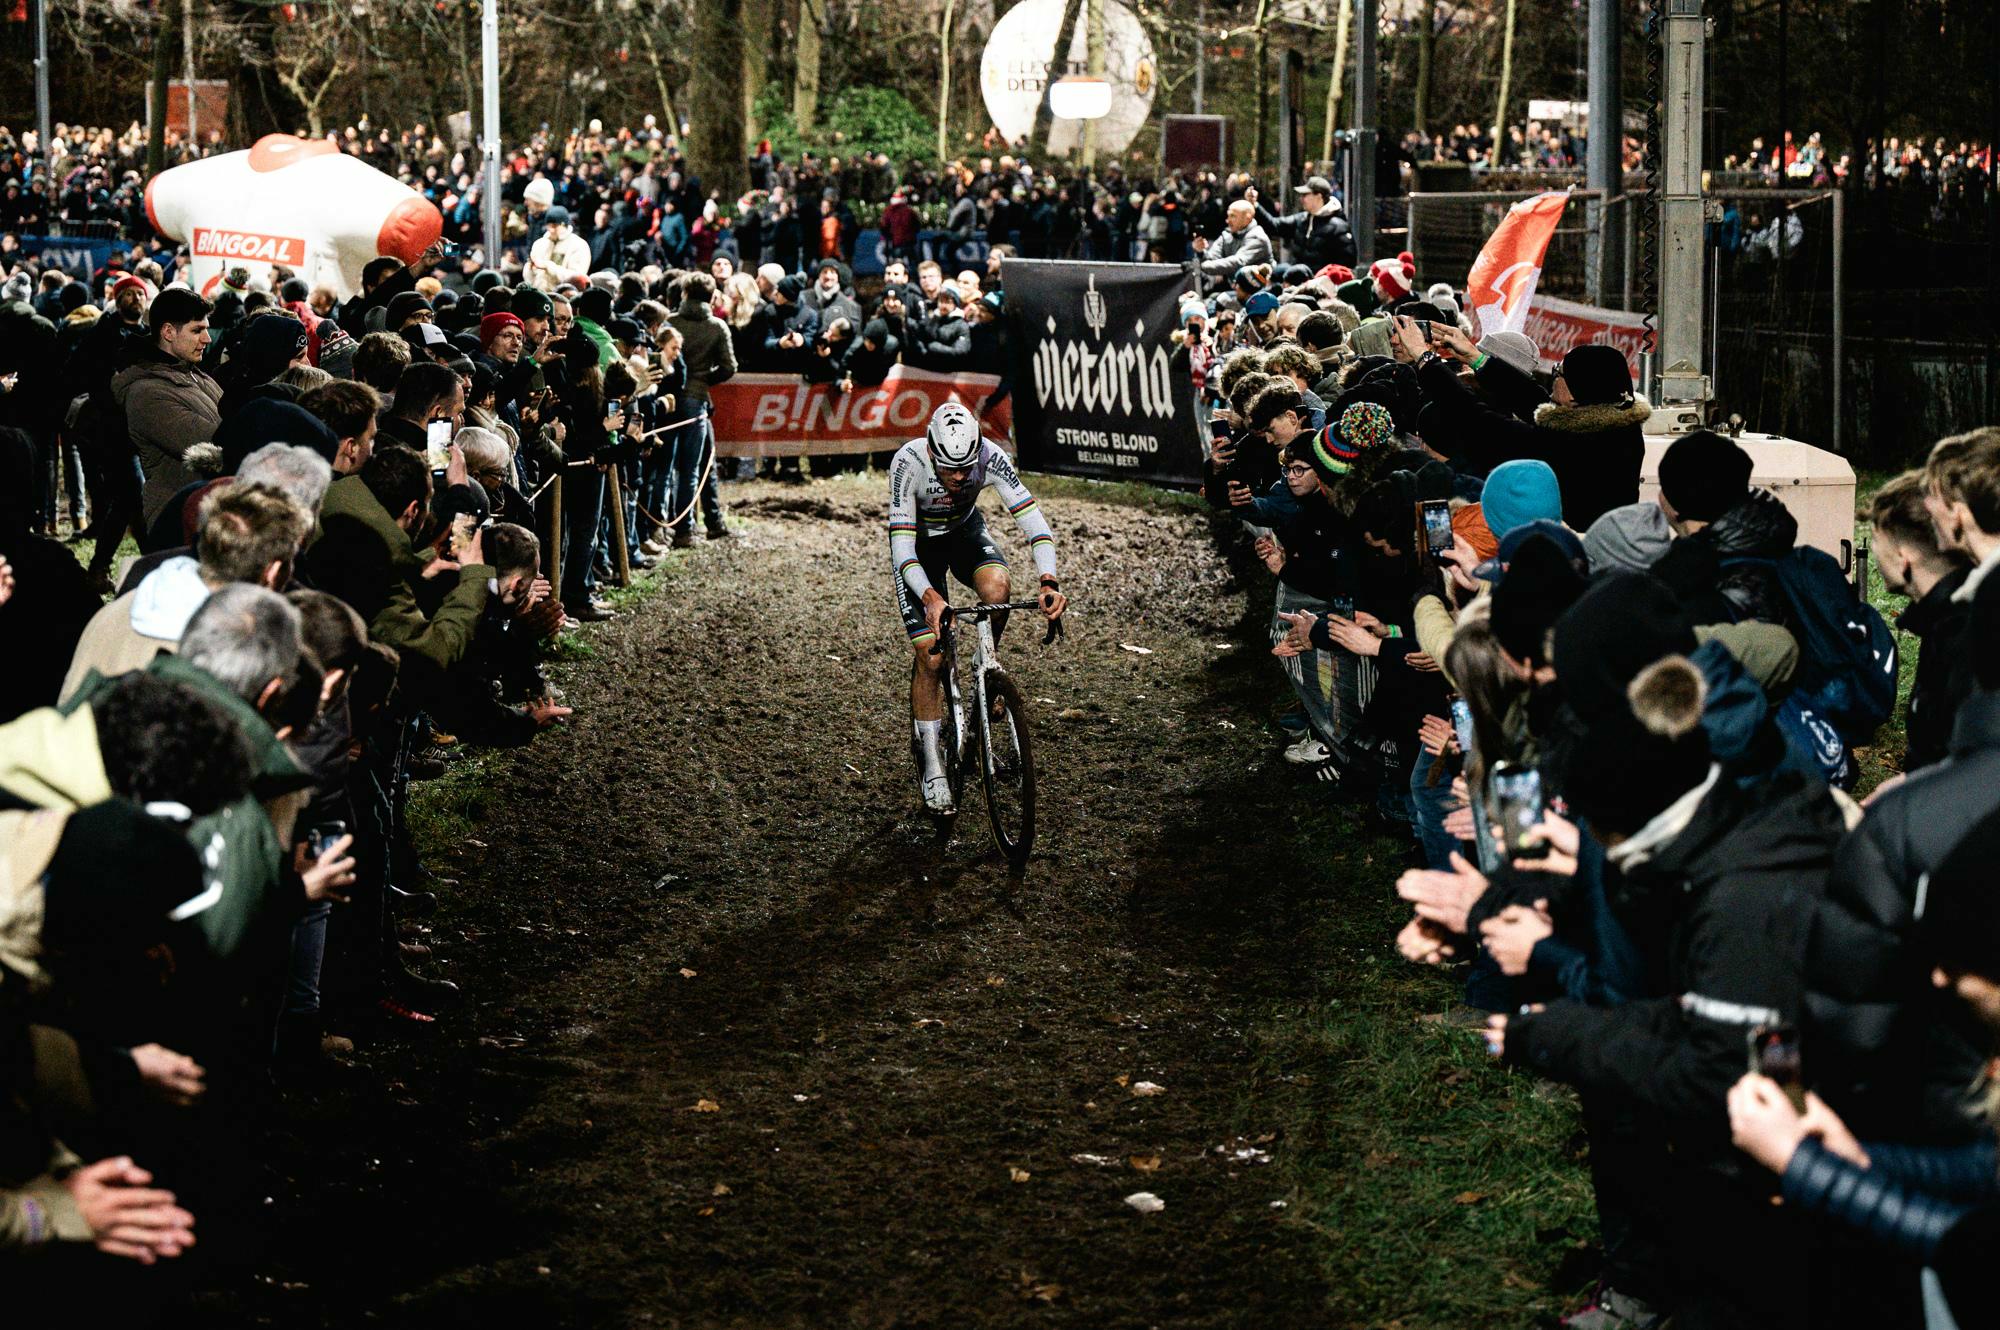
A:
1098, 388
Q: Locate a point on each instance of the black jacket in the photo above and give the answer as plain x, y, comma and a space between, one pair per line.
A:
1758, 529
1889, 1052
1596, 451
1314, 239
1944, 673
1721, 907
946, 343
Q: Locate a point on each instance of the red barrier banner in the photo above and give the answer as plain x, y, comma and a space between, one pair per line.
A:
781, 415
1557, 325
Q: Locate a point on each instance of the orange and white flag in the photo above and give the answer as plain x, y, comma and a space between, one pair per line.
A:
1504, 275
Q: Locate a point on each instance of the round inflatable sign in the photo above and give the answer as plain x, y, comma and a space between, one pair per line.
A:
298, 202
1020, 60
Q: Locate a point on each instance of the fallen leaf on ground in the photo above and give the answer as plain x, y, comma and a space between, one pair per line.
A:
929, 1020
1147, 1089
706, 1106
1137, 651
1122, 1079
687, 973
706, 1211
1225, 725
1146, 1163
1145, 1202
721, 1189
1469, 1197
1018, 1174
1512, 1280
1071, 713
996, 981
1095, 1161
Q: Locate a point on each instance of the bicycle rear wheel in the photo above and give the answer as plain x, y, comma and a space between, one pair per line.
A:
1008, 766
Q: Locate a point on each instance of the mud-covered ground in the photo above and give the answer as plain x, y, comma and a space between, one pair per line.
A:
743, 1047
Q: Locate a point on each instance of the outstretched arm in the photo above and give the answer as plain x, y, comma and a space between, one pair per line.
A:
1026, 512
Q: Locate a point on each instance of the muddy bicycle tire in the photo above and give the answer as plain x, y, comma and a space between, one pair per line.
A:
1010, 803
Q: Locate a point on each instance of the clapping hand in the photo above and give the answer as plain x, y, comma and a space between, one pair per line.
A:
1444, 898
1510, 936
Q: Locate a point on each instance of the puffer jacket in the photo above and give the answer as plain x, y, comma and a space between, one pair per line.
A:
1717, 895
1760, 528
706, 349
170, 406
1596, 451
1892, 1054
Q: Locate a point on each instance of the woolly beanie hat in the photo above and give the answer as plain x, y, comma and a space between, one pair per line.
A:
1338, 446
1519, 492
1704, 475
1394, 278
1629, 539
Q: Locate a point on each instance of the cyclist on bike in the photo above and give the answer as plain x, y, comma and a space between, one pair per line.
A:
935, 524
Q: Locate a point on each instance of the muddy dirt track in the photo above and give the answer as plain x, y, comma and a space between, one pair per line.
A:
743, 1048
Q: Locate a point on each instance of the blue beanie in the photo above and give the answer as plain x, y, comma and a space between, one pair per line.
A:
1517, 493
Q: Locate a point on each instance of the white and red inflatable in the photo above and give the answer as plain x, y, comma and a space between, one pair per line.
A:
299, 202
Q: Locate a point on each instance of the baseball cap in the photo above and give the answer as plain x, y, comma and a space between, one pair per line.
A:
1315, 185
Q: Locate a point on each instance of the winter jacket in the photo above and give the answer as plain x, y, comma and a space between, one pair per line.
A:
1314, 537
170, 406
1717, 890
1892, 1054
1312, 238
364, 558
1760, 528
1944, 671
126, 634
946, 344
1935, 1207
1596, 451
1236, 249
706, 348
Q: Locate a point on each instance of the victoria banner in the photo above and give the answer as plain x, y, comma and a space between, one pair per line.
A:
781, 415
1098, 390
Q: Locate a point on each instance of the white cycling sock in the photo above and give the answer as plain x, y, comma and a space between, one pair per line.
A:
929, 733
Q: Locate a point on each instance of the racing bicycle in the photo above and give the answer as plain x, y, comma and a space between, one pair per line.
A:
997, 740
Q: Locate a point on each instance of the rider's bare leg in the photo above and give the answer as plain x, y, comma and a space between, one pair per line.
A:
994, 587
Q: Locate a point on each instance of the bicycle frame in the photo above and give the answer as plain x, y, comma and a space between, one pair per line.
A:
985, 662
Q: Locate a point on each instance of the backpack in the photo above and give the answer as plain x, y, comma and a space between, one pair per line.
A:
1847, 654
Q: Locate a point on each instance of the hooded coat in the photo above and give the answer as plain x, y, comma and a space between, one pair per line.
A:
1596, 450
170, 406
1890, 1053
1718, 889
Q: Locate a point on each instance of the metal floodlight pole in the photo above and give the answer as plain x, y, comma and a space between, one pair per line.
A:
489, 143
1361, 191
1604, 151
1682, 210
44, 127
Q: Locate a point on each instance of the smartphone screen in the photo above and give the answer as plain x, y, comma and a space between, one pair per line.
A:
1517, 807
1434, 520
437, 444
1461, 724
1774, 1052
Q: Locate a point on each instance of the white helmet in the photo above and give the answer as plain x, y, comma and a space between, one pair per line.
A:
953, 436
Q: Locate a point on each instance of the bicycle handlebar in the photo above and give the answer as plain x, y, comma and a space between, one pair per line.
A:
977, 612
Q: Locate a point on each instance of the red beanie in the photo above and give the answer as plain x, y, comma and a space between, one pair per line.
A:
1393, 277
1337, 273
490, 326
131, 279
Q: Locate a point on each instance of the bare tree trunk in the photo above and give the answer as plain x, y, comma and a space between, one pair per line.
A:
1094, 64
805, 76
1506, 83
165, 25
717, 132
1263, 58
757, 25
1342, 20
673, 125
944, 84
1426, 54
1058, 66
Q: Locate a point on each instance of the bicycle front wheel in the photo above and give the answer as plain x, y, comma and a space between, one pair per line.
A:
1008, 765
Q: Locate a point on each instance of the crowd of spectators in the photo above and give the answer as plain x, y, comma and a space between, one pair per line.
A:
1617, 734
1618, 738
